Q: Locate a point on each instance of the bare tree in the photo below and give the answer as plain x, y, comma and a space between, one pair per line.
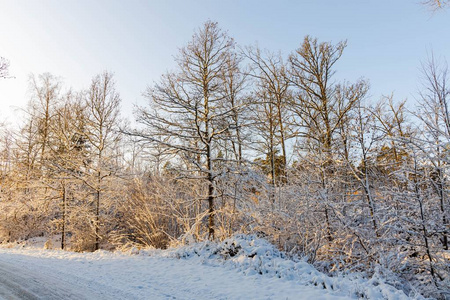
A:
32, 177
68, 155
188, 112
102, 103
435, 115
365, 138
319, 110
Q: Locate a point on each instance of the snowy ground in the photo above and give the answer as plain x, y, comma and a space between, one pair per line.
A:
240, 268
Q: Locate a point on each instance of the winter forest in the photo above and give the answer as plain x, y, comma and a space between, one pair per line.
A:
238, 139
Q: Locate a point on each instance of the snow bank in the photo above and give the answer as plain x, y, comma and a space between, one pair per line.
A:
254, 256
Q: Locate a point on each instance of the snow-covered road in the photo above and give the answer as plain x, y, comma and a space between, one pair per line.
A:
43, 274
24, 283
31, 277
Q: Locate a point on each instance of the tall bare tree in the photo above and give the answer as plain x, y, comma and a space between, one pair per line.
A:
102, 104
435, 115
188, 112
68, 155
318, 109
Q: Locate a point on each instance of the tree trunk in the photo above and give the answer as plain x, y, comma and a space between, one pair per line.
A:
210, 196
63, 226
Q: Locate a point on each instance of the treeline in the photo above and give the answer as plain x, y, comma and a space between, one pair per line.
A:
239, 139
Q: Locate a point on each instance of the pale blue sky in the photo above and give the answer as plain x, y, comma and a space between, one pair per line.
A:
387, 39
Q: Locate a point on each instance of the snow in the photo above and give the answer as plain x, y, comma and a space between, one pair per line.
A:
242, 267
